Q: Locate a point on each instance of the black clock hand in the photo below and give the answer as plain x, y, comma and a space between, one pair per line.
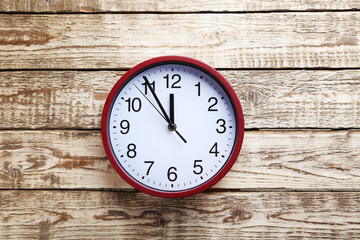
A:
172, 116
172, 108
172, 126
182, 138
150, 102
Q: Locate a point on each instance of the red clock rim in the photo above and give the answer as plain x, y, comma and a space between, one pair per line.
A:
194, 63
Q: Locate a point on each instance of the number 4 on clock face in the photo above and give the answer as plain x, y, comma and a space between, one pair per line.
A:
172, 126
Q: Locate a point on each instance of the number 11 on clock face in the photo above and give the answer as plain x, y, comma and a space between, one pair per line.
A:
172, 127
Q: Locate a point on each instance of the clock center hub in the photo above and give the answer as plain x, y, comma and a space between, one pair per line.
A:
172, 127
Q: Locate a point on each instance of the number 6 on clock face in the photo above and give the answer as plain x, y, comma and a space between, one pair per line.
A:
172, 126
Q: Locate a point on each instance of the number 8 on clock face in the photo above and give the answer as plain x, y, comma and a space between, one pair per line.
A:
172, 126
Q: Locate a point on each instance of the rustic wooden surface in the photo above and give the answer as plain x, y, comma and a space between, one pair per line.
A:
294, 64
115, 41
97, 6
132, 215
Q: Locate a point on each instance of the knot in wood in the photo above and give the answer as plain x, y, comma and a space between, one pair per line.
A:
238, 215
255, 96
15, 171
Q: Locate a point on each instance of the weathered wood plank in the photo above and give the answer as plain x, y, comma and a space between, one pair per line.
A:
310, 160
132, 215
270, 99
269, 40
173, 6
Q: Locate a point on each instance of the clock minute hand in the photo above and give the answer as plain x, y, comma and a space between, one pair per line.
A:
172, 126
150, 102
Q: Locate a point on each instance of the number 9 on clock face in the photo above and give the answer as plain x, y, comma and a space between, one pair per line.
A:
172, 126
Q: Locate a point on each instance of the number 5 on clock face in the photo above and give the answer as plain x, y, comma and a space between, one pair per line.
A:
172, 126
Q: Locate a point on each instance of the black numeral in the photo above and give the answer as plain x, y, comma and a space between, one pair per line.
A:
212, 99
214, 149
151, 164
134, 104
222, 125
198, 85
131, 153
176, 78
125, 125
152, 84
198, 166
172, 176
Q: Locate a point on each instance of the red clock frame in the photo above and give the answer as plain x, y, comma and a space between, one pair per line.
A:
193, 63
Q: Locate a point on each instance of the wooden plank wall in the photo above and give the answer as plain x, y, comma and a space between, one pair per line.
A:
295, 66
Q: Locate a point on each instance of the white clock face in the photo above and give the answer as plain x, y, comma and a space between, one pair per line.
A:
149, 150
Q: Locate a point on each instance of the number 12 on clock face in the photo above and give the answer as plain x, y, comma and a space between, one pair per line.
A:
172, 126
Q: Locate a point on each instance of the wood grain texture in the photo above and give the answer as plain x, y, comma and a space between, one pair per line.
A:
173, 6
132, 215
58, 183
310, 160
270, 99
107, 41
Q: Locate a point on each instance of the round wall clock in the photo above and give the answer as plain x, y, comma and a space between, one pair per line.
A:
172, 126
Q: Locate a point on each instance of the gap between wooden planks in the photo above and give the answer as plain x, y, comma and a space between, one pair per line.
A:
310, 160
174, 6
113, 41
270, 98
114, 215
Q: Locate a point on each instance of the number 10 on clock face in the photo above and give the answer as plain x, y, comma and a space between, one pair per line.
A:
172, 126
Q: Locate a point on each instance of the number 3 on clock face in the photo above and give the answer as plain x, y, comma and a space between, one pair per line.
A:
172, 126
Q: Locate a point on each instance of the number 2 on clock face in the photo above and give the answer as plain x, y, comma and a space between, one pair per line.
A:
172, 128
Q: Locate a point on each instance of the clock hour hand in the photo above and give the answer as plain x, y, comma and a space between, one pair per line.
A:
172, 108
172, 116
